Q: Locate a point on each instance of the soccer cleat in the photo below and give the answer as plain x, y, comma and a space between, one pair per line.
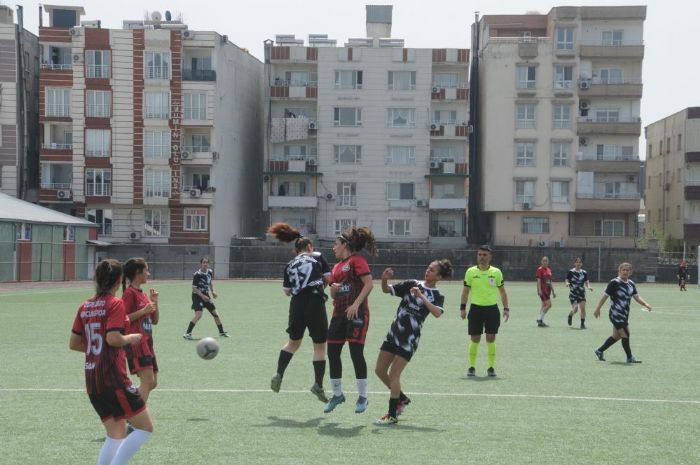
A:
224, 334
333, 403
633, 359
361, 404
542, 324
276, 382
570, 318
319, 392
402, 406
187, 336
491, 372
583, 326
386, 420
471, 372
599, 354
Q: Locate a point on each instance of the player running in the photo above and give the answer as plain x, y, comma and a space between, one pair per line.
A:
577, 282
99, 330
545, 290
351, 283
201, 283
305, 277
418, 300
621, 291
142, 310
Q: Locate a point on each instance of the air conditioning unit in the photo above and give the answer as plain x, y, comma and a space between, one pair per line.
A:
215, 155
436, 90
542, 243
75, 31
195, 193
433, 127
312, 125
63, 194
311, 162
134, 235
527, 206
76, 57
584, 105
421, 203
187, 35
330, 196
185, 155
266, 178
585, 85
582, 141
434, 165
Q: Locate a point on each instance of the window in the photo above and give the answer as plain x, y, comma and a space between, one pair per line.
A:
444, 191
342, 224
199, 181
668, 145
399, 227
157, 65
56, 176
300, 78
98, 182
560, 191
649, 150
347, 116
612, 37
198, 143
563, 76
156, 223
102, 218
400, 191
24, 232
445, 153
347, 194
295, 152
526, 77
612, 189
661, 147
607, 115
525, 116
445, 80
565, 38
157, 183
679, 144
299, 111
347, 154
348, 79
560, 153
606, 152
402, 80
445, 116
443, 228
524, 191
156, 144
401, 117
562, 116
196, 219
668, 216
400, 155
157, 105
292, 189
535, 225
195, 106
610, 228
57, 101
525, 154
99, 104
627, 152
97, 64
97, 142
611, 76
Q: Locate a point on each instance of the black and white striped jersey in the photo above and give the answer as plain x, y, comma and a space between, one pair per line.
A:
202, 280
405, 331
306, 272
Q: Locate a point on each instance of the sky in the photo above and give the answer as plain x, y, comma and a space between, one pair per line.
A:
671, 65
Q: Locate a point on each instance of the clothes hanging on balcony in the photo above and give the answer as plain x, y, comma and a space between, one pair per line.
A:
297, 128
278, 130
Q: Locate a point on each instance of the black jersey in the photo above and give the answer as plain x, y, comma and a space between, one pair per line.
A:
620, 293
306, 272
406, 329
202, 280
682, 272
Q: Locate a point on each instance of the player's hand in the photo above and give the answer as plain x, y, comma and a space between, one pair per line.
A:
554, 296
206, 298
214, 294
416, 293
506, 315
148, 309
154, 295
463, 314
597, 313
388, 273
590, 289
334, 288
648, 307
352, 311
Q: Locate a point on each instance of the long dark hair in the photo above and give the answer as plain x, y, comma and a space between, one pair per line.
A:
131, 268
283, 232
358, 239
108, 273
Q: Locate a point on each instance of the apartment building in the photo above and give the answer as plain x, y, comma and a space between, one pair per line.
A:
19, 107
559, 126
672, 195
368, 133
152, 131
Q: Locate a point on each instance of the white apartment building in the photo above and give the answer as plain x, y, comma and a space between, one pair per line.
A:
559, 125
370, 133
152, 131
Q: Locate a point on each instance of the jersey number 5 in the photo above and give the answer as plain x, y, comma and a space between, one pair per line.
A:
94, 338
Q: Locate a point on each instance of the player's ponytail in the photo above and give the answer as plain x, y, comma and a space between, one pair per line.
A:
283, 232
444, 267
360, 238
108, 273
131, 268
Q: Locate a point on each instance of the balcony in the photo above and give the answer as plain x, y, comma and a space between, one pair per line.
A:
449, 130
618, 49
57, 66
57, 111
448, 204
596, 88
608, 202
527, 47
459, 92
54, 146
293, 90
301, 166
442, 168
193, 195
626, 127
591, 161
292, 201
208, 75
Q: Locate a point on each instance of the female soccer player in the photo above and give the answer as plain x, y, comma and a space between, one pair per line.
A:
201, 283
682, 275
576, 279
304, 279
351, 284
99, 330
418, 300
545, 290
621, 291
143, 313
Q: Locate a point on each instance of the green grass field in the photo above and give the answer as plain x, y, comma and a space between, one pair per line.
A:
553, 402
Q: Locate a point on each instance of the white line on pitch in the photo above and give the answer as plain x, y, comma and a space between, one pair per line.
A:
435, 394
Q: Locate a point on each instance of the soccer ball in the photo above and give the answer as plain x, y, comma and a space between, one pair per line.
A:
207, 348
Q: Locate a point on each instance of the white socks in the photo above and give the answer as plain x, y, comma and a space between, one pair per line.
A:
541, 318
130, 446
362, 387
337, 385
109, 449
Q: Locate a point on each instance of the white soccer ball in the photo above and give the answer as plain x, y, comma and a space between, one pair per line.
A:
207, 348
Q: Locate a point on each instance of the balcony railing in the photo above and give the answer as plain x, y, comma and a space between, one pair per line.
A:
196, 148
608, 195
59, 66
594, 156
56, 185
156, 114
347, 201
97, 71
99, 111
56, 146
58, 111
294, 83
99, 190
199, 75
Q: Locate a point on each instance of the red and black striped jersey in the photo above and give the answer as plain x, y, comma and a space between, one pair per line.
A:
134, 300
348, 273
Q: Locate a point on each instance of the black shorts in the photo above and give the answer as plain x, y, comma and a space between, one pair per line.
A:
342, 330
619, 323
199, 305
308, 310
483, 319
119, 404
144, 362
396, 350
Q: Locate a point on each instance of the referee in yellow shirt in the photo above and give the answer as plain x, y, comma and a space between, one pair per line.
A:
483, 282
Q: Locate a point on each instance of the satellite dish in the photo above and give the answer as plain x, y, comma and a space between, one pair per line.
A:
156, 16
168, 16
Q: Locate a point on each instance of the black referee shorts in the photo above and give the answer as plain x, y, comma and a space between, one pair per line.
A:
483, 319
308, 310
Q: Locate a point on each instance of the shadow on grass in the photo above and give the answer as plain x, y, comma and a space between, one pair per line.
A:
481, 379
404, 427
327, 429
624, 363
198, 419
